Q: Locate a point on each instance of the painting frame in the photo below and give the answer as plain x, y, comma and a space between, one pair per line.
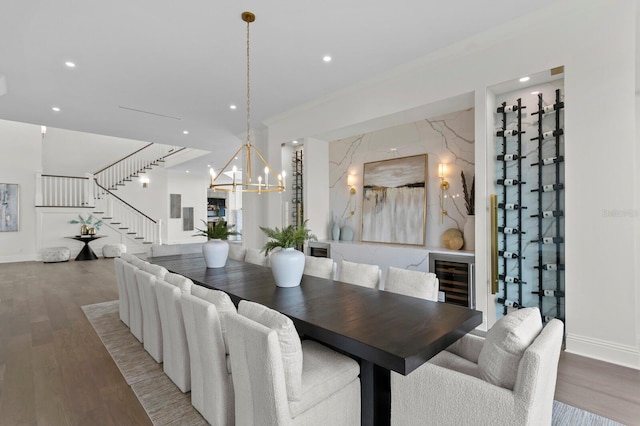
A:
9, 207
175, 206
394, 200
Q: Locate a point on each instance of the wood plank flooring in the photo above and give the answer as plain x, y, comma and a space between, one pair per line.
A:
54, 369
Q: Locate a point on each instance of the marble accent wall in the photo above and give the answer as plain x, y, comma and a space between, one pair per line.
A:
446, 139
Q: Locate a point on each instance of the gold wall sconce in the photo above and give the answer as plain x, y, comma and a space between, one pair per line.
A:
145, 181
444, 185
351, 183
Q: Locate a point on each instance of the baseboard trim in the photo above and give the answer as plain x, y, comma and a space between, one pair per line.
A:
615, 353
18, 258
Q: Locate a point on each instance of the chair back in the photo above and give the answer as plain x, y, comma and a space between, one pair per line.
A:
412, 283
258, 373
151, 326
255, 256
175, 349
321, 267
123, 296
211, 383
360, 274
236, 251
537, 373
135, 308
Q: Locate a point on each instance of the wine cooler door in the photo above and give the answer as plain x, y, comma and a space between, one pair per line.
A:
456, 277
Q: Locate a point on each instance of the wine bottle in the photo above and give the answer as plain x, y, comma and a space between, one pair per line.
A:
508, 157
507, 230
552, 108
508, 303
549, 188
508, 182
510, 206
549, 213
509, 279
552, 267
552, 160
549, 134
507, 254
507, 108
507, 132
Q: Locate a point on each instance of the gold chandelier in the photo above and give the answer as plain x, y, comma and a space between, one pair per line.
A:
246, 183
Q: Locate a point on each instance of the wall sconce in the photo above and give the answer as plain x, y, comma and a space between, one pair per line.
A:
145, 181
351, 183
444, 185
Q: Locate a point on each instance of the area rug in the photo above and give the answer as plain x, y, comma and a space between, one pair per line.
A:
166, 405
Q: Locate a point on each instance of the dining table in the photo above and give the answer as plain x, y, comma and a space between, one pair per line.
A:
384, 331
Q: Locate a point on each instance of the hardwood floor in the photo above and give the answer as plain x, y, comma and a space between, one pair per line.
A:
54, 369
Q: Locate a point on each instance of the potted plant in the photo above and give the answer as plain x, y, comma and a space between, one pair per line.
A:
216, 249
287, 265
85, 229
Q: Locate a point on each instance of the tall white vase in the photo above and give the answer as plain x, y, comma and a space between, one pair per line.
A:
469, 233
215, 253
287, 266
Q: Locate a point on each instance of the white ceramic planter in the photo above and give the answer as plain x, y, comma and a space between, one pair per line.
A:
287, 266
215, 253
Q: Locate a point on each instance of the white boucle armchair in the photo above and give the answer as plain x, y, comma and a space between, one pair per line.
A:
448, 390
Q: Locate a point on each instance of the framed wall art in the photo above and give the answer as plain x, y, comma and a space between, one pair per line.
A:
395, 200
9, 204
175, 206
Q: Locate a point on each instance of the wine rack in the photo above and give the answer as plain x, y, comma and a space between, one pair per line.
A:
549, 239
297, 200
510, 183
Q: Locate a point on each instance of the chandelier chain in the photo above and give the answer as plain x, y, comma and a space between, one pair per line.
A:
248, 90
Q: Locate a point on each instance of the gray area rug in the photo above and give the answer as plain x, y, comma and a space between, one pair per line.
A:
166, 405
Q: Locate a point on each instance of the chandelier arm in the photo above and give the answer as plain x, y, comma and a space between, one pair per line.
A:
228, 162
266, 163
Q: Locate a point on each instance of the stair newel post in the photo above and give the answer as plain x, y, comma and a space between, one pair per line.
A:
39, 188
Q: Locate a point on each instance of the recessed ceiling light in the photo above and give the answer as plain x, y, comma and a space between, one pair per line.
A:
56, 109
70, 64
187, 171
236, 158
232, 107
524, 79
186, 132
393, 149
209, 165
326, 58
294, 142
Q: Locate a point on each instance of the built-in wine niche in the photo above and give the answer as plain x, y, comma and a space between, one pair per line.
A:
530, 200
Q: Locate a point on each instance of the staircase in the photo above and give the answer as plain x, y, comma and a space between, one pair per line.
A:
95, 191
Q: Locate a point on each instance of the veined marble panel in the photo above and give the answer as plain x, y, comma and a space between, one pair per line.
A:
445, 139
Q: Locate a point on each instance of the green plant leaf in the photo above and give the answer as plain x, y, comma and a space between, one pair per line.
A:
287, 237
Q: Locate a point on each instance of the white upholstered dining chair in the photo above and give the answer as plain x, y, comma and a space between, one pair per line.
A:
135, 307
507, 378
175, 349
151, 325
279, 380
236, 251
211, 384
123, 296
322, 267
360, 274
255, 256
412, 283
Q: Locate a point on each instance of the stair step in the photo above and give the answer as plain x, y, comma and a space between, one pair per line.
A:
131, 233
141, 171
107, 218
126, 227
139, 238
127, 180
161, 160
147, 168
98, 212
116, 223
147, 242
120, 183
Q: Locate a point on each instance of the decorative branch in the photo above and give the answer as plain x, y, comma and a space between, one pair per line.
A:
469, 196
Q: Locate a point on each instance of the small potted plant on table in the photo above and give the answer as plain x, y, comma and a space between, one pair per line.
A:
287, 265
216, 249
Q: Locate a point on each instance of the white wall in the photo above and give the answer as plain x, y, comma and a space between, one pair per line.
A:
194, 194
316, 180
595, 41
20, 157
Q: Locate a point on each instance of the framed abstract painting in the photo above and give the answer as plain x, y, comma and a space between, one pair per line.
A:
394, 204
9, 204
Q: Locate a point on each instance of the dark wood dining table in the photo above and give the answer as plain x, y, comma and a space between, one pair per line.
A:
384, 331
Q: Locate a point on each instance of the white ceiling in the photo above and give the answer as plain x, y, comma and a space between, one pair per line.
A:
185, 60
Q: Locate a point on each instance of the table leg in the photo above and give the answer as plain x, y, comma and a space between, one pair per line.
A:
375, 383
86, 253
